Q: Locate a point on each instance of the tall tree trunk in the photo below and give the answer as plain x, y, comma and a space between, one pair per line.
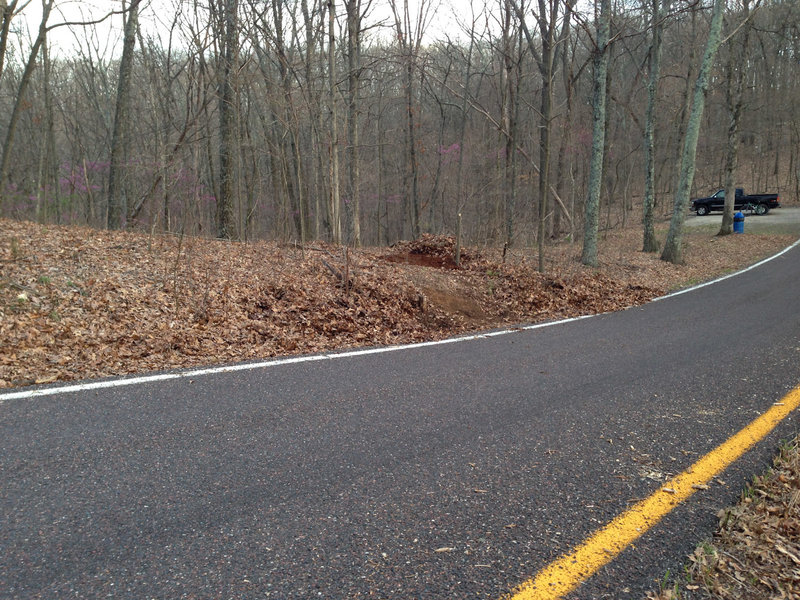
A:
734, 89
227, 120
547, 28
381, 199
117, 205
462, 125
409, 36
44, 172
354, 81
30, 66
295, 199
544, 51
650, 244
333, 131
508, 122
6, 13
513, 184
672, 247
592, 210
412, 172
313, 171
566, 128
686, 102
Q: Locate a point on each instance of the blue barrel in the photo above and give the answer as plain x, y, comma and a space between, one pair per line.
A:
738, 222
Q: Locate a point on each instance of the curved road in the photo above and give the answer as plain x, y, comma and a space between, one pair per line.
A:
440, 471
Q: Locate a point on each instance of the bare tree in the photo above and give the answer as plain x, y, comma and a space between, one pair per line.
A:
462, 127
546, 18
509, 114
734, 84
658, 11
7, 12
424, 129
546, 56
229, 30
409, 37
117, 197
41, 37
334, 201
46, 168
354, 16
672, 247
179, 95
592, 208
569, 77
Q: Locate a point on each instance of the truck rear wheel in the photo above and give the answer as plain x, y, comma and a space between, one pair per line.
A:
761, 209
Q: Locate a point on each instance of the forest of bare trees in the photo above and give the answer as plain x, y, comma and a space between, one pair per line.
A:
361, 122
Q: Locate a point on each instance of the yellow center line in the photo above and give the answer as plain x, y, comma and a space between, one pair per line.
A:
569, 571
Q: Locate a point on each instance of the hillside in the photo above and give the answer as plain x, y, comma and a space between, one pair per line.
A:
77, 303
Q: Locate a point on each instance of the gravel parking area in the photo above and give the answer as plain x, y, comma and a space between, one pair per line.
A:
779, 220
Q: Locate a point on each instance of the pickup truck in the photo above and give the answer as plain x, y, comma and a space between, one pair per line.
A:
760, 204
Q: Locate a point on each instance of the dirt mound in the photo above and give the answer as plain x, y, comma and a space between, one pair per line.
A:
437, 251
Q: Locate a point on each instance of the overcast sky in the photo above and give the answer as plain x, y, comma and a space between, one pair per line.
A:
108, 34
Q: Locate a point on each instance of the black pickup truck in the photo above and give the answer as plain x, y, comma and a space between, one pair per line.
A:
758, 203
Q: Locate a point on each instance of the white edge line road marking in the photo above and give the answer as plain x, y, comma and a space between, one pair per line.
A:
729, 275
126, 381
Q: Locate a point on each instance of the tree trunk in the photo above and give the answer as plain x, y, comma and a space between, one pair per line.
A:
545, 59
686, 98
592, 210
313, 171
412, 174
294, 200
566, 128
650, 244
30, 66
333, 132
462, 126
734, 88
509, 124
6, 13
513, 184
547, 28
46, 146
381, 200
227, 121
672, 247
354, 80
117, 197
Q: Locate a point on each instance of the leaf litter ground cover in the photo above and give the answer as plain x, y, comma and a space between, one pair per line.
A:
755, 553
77, 303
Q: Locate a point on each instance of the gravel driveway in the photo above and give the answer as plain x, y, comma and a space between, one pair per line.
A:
779, 220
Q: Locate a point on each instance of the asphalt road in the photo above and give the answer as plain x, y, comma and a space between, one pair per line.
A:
449, 471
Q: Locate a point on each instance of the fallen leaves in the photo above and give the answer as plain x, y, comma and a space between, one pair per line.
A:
756, 550
77, 303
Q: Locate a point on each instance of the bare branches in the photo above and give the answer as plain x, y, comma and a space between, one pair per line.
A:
413, 122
